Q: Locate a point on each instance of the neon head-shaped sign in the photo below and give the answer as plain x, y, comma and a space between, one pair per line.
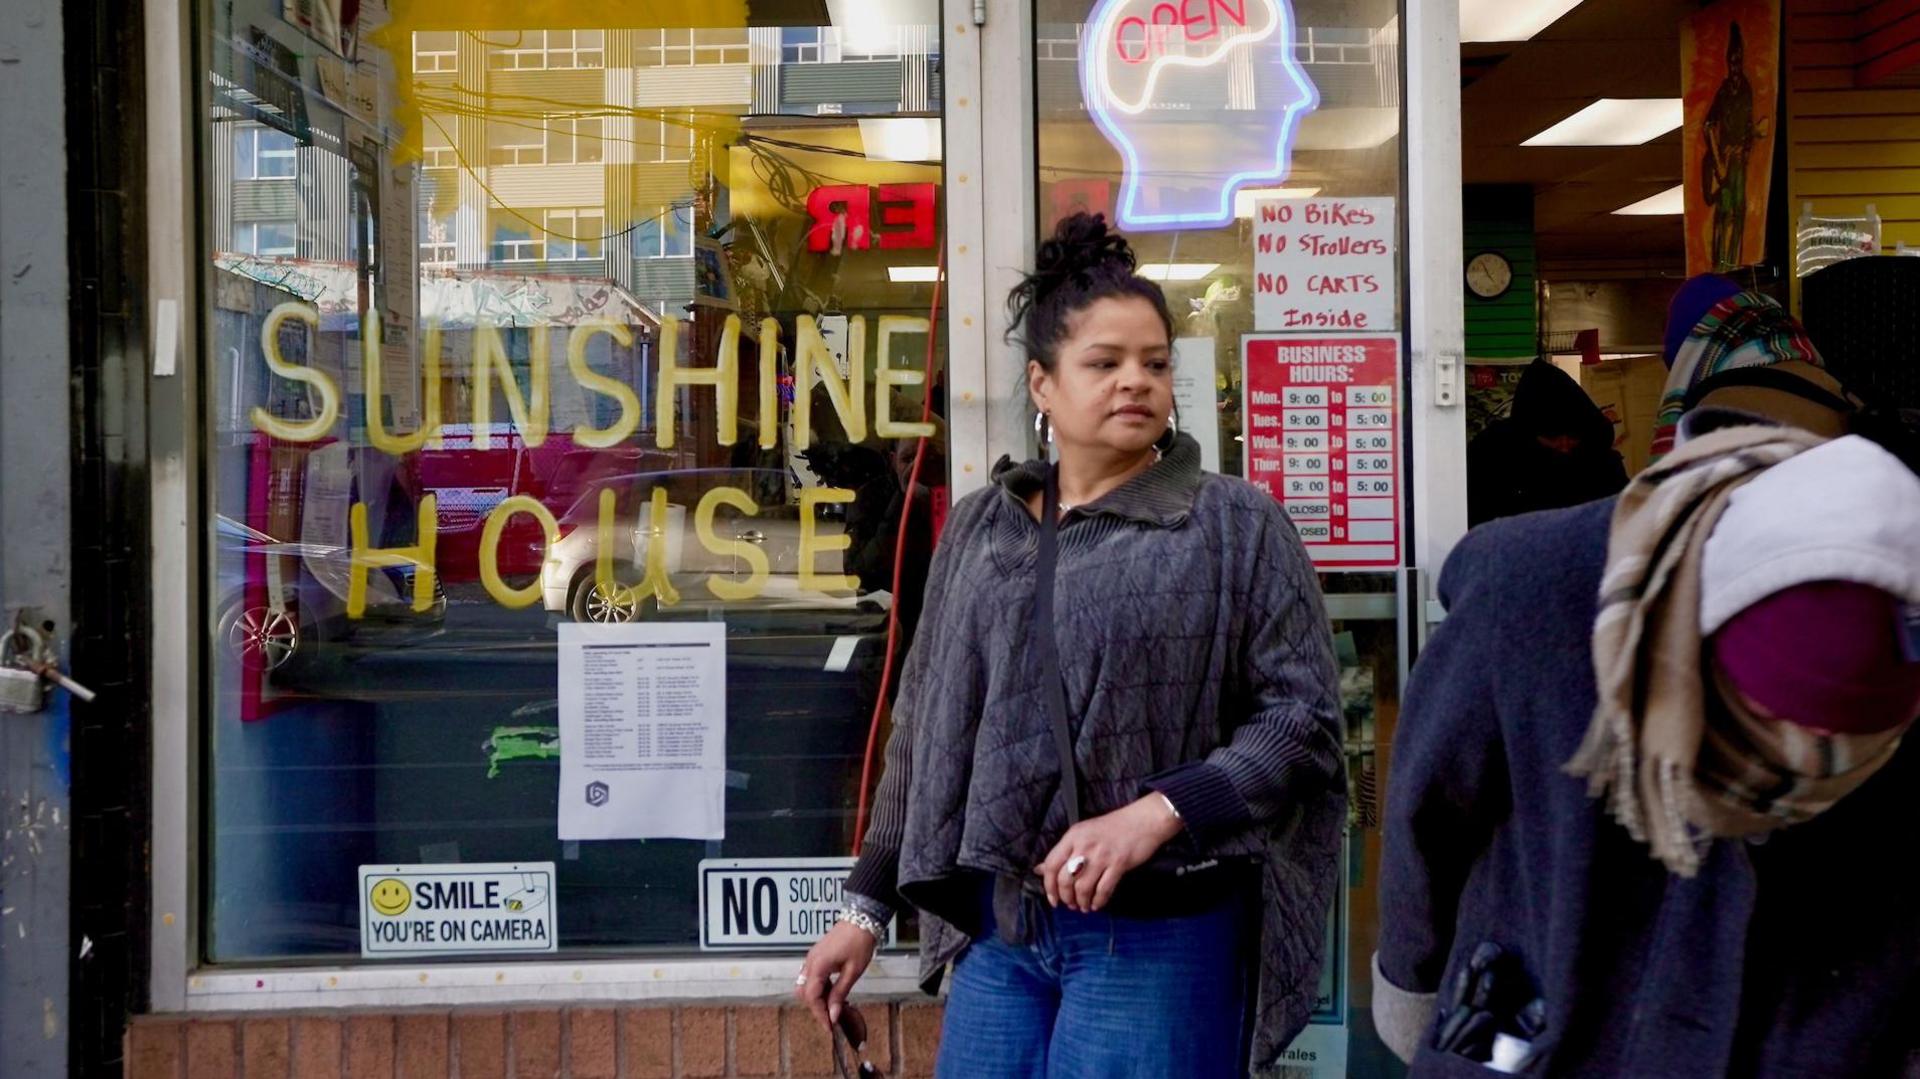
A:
1201, 98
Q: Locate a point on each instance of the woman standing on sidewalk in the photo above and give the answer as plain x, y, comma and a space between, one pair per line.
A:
1157, 906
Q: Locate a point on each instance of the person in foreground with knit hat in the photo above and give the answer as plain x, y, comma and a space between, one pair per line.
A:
1650, 808
1115, 788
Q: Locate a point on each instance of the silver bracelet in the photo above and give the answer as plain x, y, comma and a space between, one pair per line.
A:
860, 919
1171, 808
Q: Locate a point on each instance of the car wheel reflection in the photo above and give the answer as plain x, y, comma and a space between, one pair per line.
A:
591, 603
261, 638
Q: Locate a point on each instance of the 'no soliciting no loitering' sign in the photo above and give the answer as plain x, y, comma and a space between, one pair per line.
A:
775, 904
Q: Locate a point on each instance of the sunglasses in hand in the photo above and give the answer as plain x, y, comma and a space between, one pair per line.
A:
850, 1046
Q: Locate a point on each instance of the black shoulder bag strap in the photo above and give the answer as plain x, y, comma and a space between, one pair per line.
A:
1046, 644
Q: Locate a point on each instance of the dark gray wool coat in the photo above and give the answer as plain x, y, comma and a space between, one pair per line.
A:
1198, 662
1796, 958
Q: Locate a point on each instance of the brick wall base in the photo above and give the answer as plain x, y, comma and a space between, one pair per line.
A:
749, 1040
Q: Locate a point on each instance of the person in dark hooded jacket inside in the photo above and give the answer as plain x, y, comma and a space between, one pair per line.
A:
1555, 449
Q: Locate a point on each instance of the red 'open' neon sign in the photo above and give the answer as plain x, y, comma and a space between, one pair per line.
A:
1139, 39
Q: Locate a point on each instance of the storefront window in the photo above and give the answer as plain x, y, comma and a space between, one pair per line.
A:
493, 296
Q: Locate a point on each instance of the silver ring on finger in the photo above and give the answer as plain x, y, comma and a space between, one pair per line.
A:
1075, 864
801, 979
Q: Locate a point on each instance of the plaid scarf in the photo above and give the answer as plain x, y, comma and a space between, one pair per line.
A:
1743, 330
1678, 766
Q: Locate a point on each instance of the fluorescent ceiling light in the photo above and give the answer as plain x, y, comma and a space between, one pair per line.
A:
912, 275
1615, 121
1176, 271
1245, 198
1509, 20
901, 138
1671, 201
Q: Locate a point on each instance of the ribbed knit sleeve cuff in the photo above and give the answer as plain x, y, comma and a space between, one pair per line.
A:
1401, 1016
1208, 804
876, 878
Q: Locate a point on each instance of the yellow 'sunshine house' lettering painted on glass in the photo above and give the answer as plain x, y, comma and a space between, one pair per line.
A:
886, 377
761, 568
530, 409
366, 559
595, 438
815, 359
370, 362
811, 543
656, 582
723, 376
504, 594
327, 411
769, 382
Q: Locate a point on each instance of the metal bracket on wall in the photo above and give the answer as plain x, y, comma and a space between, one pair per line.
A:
1446, 379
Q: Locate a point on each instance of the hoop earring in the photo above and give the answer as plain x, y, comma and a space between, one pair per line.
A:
1167, 440
1042, 431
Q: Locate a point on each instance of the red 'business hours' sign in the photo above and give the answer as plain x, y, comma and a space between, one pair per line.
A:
1323, 437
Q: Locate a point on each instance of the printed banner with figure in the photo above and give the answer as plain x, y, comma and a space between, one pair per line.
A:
1730, 74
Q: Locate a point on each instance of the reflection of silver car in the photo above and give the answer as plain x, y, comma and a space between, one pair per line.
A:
567, 578
300, 596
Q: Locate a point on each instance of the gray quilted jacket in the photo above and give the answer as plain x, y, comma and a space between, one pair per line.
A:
1198, 662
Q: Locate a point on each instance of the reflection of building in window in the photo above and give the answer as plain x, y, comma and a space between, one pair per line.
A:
1059, 48
548, 50
663, 138
553, 140
438, 151
281, 238
686, 48
575, 234
516, 142
1353, 45
554, 235
435, 50
575, 140
262, 153
437, 245
515, 240
670, 235
833, 44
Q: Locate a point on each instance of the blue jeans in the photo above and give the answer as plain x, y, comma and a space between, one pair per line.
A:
1095, 996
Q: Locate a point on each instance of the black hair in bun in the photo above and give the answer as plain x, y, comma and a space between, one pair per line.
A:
1082, 262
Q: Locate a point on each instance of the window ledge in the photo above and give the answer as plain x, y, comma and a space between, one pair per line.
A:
703, 978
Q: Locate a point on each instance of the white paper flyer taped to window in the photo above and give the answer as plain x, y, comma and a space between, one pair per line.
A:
643, 731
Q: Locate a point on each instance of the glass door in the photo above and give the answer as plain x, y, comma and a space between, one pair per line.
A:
1252, 151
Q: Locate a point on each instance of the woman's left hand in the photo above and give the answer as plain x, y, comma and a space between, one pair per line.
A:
1085, 867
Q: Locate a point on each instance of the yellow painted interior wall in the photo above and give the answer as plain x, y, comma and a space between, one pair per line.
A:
1849, 146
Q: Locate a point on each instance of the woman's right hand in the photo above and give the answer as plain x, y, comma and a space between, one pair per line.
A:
831, 968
